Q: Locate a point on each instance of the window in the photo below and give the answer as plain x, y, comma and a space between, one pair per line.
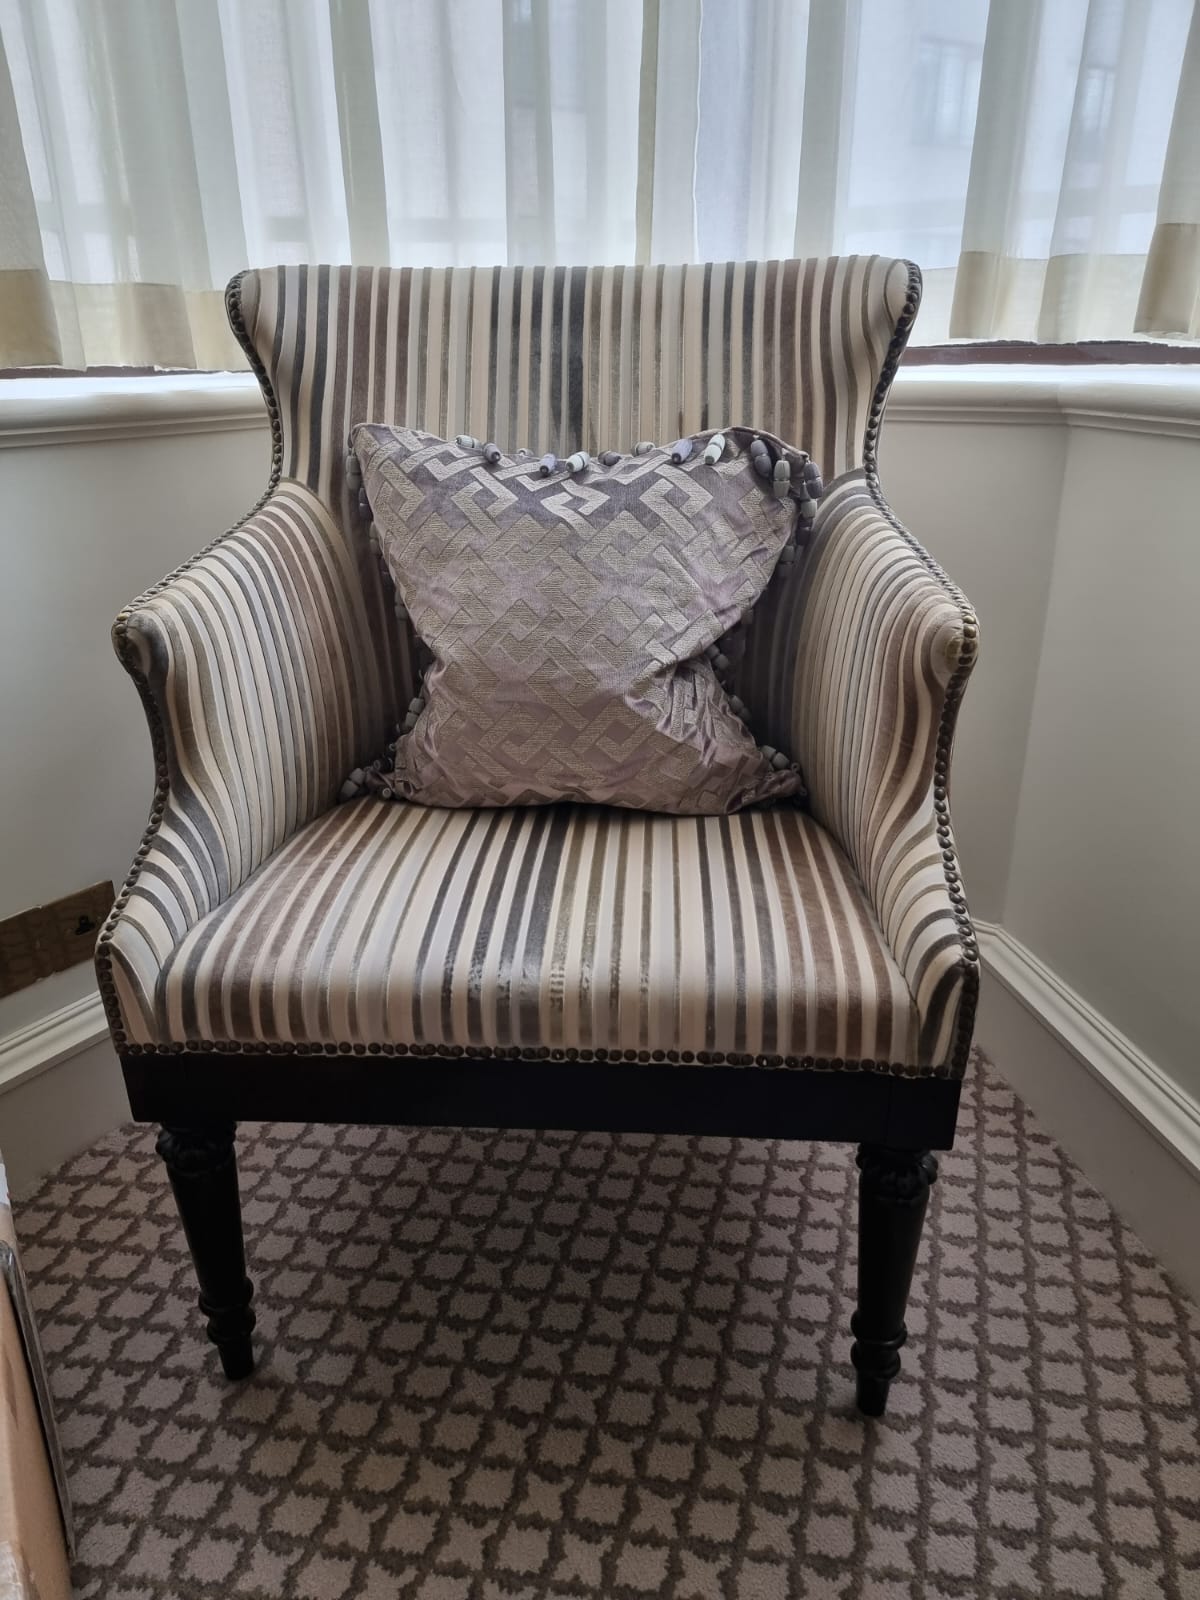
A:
947, 93
154, 161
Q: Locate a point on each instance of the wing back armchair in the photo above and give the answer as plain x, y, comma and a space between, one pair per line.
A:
788, 973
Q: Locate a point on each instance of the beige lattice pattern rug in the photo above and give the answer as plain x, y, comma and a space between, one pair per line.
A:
512, 1364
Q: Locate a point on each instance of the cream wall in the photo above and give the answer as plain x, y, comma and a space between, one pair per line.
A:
85, 527
950, 479
1104, 882
1065, 504
93, 509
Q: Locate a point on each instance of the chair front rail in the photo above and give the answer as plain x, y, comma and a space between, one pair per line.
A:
616, 1097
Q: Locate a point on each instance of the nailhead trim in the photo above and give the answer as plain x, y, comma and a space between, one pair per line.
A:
969, 960
532, 1053
125, 654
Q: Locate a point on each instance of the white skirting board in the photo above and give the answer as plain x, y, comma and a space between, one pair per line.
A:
1131, 1128
60, 1088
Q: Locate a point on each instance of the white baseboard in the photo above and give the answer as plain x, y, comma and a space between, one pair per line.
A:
1131, 1128
52, 1038
60, 1088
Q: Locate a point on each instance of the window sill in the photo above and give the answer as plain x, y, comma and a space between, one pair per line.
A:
35, 411
1136, 399
1141, 399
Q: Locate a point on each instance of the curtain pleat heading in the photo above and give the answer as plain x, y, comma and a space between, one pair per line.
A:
1040, 159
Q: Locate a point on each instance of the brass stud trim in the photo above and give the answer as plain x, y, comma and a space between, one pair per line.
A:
127, 658
969, 958
539, 1053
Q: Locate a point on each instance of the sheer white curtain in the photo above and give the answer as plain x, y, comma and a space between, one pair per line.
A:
1039, 158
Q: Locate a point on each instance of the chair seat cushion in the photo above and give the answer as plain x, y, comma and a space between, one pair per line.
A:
569, 930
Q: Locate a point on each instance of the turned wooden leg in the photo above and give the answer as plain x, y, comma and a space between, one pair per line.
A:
203, 1173
893, 1193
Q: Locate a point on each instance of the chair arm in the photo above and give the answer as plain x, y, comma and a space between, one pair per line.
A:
262, 678
871, 654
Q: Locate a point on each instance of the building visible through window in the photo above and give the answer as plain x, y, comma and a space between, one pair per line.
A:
947, 92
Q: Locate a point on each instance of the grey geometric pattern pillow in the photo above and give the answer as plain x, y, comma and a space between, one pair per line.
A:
574, 612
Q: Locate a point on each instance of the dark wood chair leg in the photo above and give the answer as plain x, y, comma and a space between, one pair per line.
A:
893, 1194
203, 1171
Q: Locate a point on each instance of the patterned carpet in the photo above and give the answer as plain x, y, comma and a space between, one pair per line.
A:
507, 1364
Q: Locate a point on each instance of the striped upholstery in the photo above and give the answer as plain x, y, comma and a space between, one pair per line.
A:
271, 664
260, 668
568, 358
571, 358
567, 928
857, 671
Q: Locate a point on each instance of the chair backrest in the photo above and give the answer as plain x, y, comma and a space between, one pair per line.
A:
568, 358
564, 358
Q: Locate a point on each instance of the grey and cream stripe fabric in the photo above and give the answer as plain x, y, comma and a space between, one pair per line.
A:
850, 666
263, 663
271, 665
567, 928
570, 358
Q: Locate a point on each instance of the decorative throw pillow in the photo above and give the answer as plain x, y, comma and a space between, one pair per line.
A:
574, 612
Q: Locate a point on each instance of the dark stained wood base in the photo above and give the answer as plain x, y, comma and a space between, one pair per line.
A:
893, 1195
199, 1098
601, 1097
202, 1167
